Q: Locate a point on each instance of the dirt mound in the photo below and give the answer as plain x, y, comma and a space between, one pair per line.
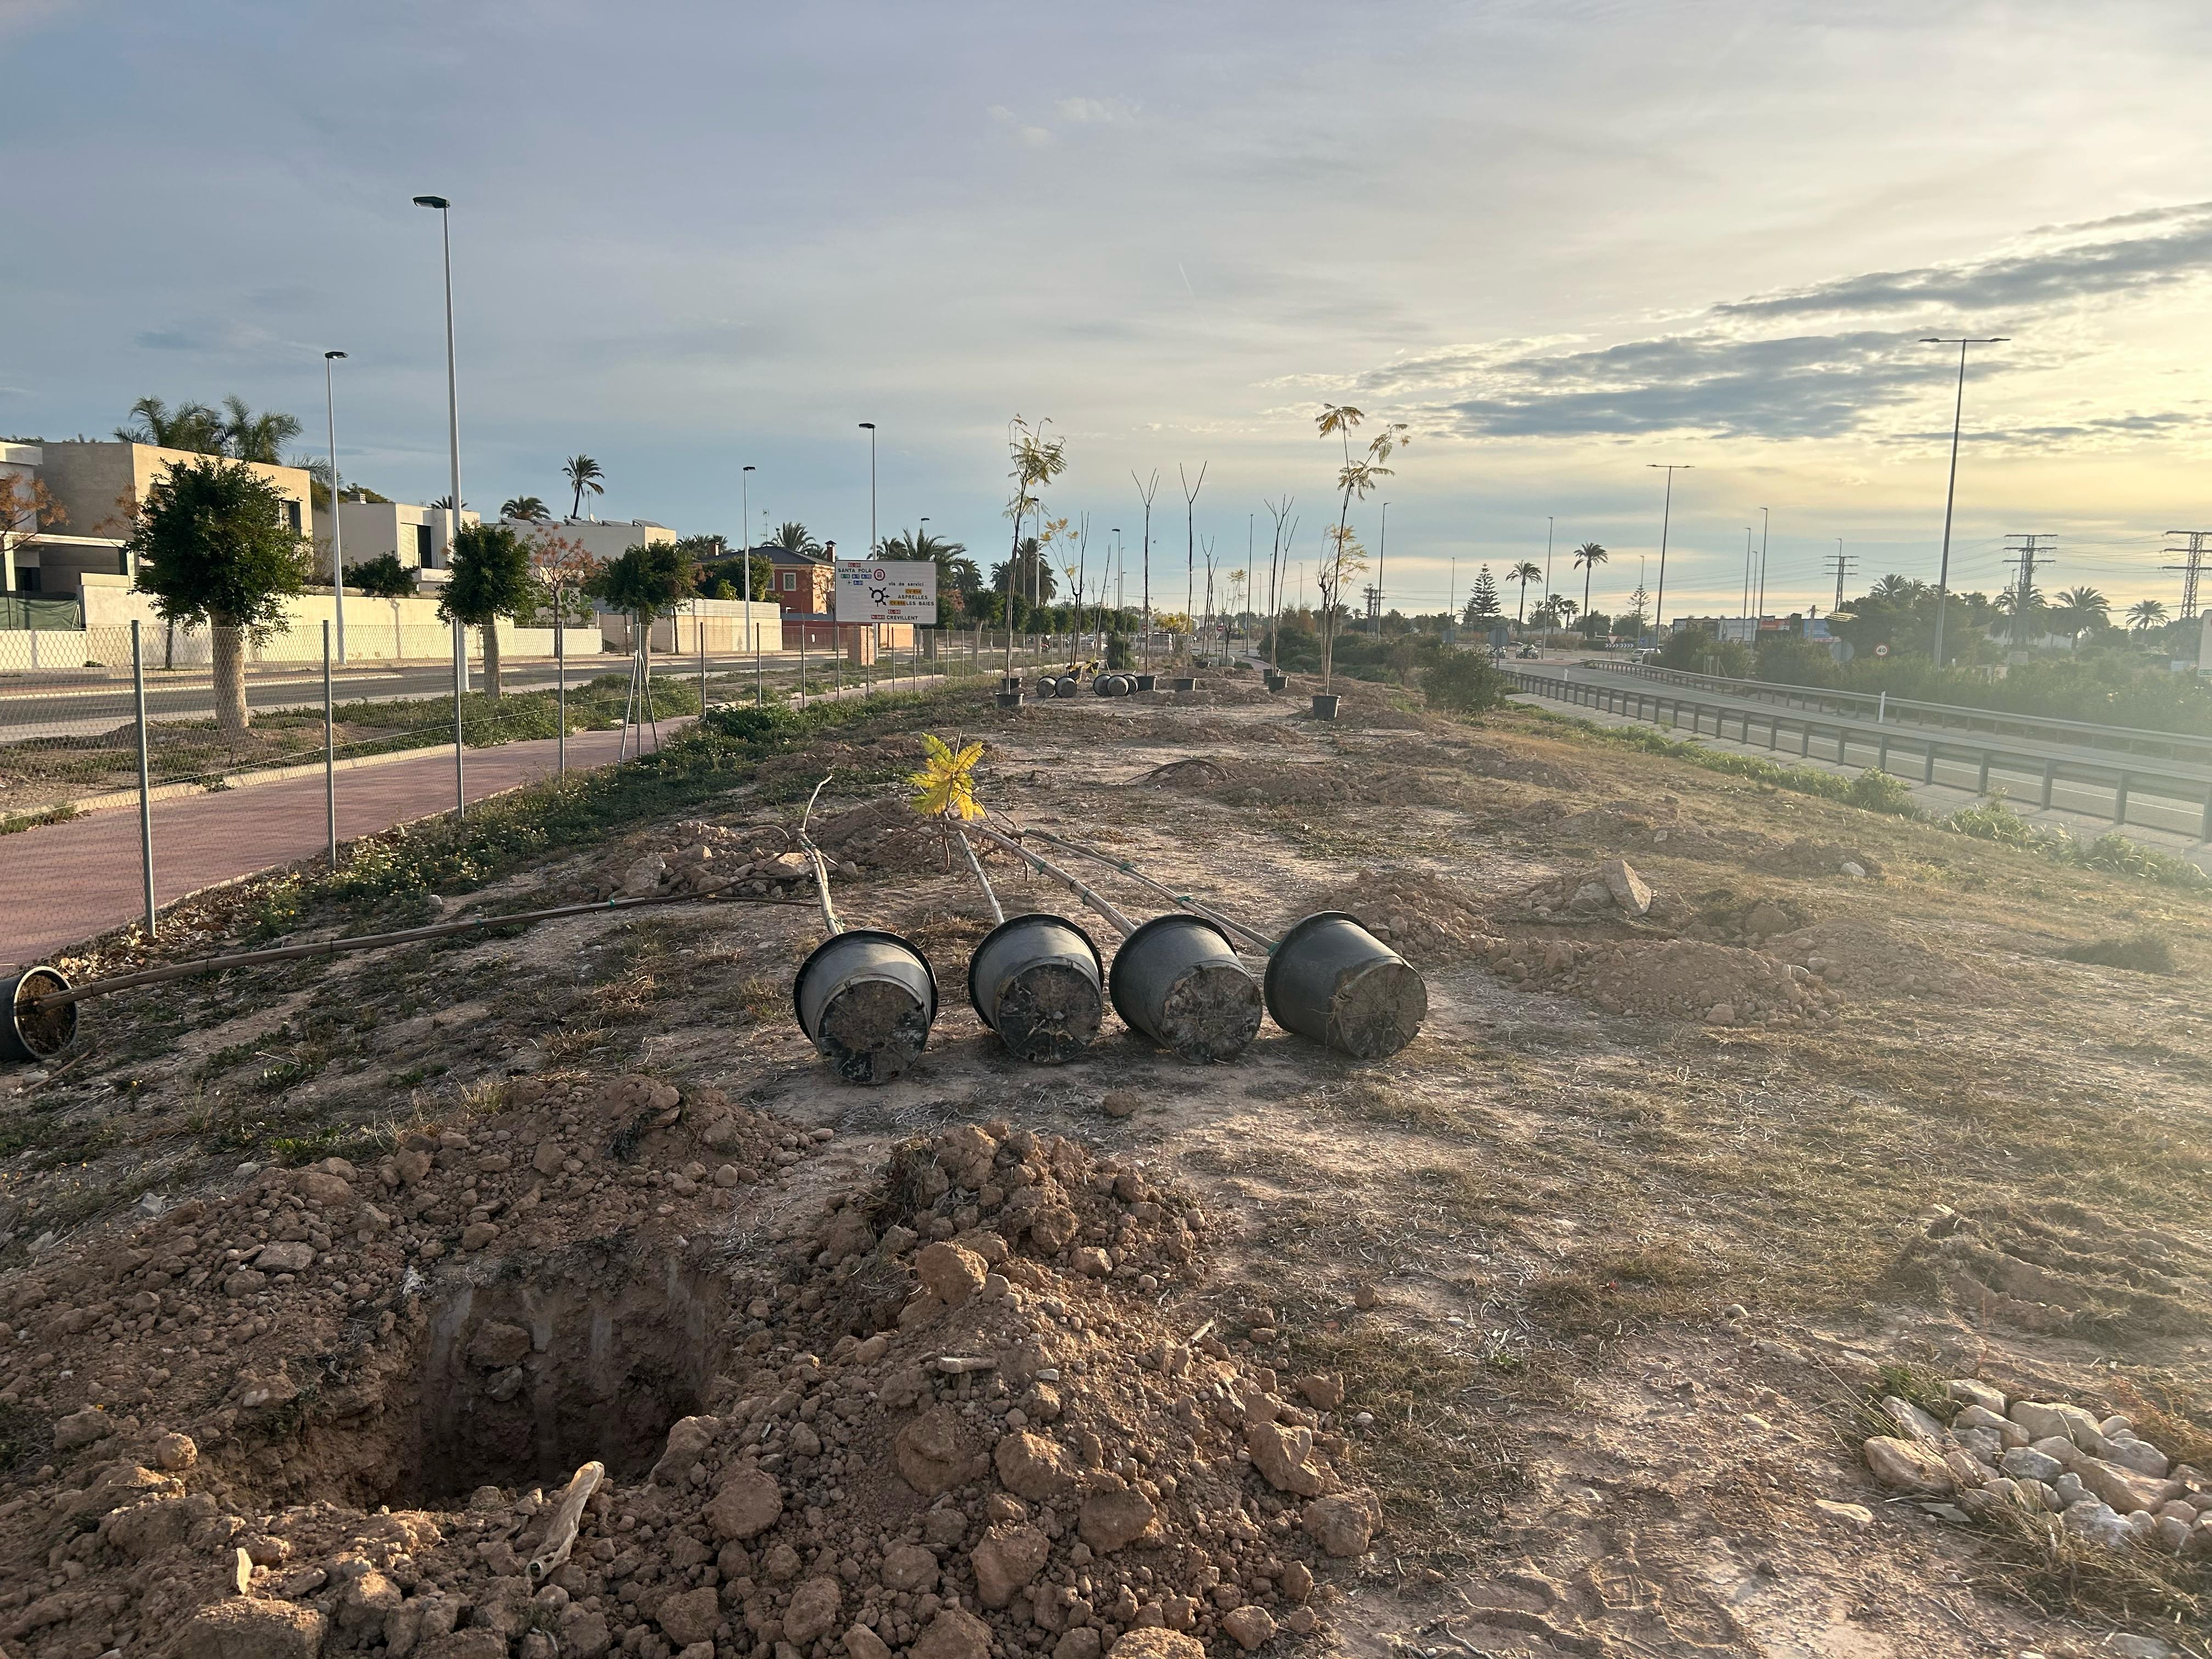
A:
1316, 784
1876, 961
1727, 917
940, 1414
1671, 979
1654, 826
1807, 857
1491, 761
2060, 1269
1423, 918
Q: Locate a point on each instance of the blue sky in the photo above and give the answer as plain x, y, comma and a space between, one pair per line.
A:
1561, 240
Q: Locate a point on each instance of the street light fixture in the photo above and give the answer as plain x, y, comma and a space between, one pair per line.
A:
1666, 519
453, 511
1951, 490
869, 427
338, 532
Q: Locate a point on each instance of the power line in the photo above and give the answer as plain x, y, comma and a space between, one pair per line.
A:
1843, 561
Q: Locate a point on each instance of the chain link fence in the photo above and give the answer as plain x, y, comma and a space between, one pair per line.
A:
150, 762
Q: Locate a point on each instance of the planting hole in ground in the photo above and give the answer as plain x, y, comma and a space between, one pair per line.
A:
514, 1377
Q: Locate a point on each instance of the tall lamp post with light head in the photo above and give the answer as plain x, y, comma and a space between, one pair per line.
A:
1951, 490
453, 509
337, 531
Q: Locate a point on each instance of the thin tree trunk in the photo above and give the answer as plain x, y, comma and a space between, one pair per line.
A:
226, 648
491, 659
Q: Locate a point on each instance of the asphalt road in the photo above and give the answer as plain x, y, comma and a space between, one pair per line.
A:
2162, 795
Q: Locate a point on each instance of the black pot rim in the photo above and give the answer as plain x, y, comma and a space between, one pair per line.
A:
12, 1036
1114, 974
798, 979
1073, 926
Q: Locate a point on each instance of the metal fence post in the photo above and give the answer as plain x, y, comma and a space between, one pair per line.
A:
329, 754
460, 668
145, 790
560, 697
698, 622
760, 694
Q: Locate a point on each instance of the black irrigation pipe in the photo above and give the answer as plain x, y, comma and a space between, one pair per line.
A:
369, 942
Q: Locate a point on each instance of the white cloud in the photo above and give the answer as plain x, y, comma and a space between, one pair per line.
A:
1091, 110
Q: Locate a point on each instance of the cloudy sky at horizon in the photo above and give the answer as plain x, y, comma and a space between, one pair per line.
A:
1561, 240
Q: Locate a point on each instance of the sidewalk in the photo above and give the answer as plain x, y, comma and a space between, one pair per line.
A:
70, 882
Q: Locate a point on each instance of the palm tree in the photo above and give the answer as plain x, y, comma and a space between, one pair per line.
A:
525, 509
583, 473
2079, 610
1898, 589
193, 427
2024, 609
1589, 556
2145, 615
954, 568
252, 437
1524, 573
444, 504
794, 537
1342, 556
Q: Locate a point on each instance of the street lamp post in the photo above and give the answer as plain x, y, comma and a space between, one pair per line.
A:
1766, 522
1951, 490
752, 622
1666, 521
444, 209
1382, 547
337, 531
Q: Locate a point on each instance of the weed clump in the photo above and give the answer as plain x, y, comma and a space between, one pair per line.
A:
2141, 952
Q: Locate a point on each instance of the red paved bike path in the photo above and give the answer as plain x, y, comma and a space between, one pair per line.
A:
67, 883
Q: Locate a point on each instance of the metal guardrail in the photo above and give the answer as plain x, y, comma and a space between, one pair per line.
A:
2173, 746
2169, 791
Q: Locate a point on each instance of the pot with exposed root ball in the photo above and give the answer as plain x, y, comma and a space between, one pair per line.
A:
1177, 981
1333, 980
1036, 980
866, 1000
30, 1032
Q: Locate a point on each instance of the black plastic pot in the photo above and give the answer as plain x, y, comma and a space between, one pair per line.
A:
1066, 686
1177, 980
1008, 699
1324, 705
866, 1000
30, 1033
1275, 681
1183, 683
1333, 980
1037, 980
1147, 682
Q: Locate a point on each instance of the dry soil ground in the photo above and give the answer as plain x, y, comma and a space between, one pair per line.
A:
1608, 1260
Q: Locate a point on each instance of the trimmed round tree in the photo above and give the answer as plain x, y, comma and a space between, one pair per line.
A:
212, 548
490, 579
646, 581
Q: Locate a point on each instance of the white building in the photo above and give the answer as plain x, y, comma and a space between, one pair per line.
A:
415, 536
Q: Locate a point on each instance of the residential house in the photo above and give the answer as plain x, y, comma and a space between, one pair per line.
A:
96, 487
804, 586
417, 536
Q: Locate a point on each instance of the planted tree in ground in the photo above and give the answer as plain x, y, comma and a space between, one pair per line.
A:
1277, 556
212, 548
1588, 557
2145, 615
490, 579
1355, 477
563, 568
525, 509
27, 507
1482, 605
1189, 531
1523, 573
1037, 460
1463, 683
2080, 610
646, 581
582, 473
381, 578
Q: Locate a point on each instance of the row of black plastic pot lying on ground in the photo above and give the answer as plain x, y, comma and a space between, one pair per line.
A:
867, 999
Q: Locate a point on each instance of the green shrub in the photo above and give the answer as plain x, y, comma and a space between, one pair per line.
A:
1464, 683
1877, 792
1991, 819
